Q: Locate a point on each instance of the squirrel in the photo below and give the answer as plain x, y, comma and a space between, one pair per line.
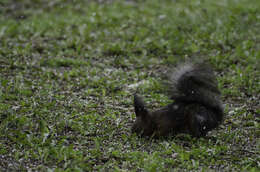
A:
196, 107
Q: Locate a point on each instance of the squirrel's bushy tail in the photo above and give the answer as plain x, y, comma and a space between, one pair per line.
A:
196, 83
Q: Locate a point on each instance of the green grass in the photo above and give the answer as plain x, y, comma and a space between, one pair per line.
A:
68, 71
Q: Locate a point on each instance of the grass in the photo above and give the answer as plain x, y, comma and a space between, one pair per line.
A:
68, 71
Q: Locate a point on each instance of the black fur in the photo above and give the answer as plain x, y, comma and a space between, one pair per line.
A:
196, 110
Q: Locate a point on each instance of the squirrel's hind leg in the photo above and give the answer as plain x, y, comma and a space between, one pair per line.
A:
202, 122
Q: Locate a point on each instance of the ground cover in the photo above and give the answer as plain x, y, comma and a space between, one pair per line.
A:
68, 72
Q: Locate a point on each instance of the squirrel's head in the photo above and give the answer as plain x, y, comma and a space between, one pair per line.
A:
143, 124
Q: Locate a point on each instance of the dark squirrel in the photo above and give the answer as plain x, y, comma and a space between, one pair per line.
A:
196, 109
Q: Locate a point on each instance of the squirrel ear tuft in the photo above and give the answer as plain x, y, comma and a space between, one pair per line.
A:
140, 109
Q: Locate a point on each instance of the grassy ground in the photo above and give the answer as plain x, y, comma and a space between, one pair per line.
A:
68, 71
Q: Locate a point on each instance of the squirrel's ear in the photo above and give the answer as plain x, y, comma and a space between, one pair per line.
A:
140, 109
